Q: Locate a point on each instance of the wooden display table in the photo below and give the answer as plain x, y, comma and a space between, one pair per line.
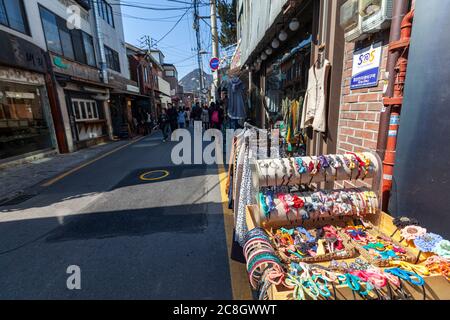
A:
436, 286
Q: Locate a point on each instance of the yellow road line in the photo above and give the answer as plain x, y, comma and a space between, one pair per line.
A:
238, 274
67, 173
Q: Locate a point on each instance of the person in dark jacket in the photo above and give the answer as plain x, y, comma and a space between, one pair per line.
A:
197, 112
173, 118
164, 124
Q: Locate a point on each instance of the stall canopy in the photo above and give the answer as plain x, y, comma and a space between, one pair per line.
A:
258, 17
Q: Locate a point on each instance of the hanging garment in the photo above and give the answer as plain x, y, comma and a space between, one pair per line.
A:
314, 111
285, 109
237, 181
245, 198
300, 105
231, 164
236, 106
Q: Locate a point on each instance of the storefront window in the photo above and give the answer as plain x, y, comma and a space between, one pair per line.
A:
85, 109
23, 127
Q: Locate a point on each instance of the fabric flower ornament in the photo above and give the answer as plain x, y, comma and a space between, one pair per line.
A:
427, 242
402, 222
412, 232
443, 249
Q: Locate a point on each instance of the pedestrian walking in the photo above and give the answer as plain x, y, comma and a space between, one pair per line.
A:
217, 116
205, 117
181, 118
173, 118
197, 112
148, 123
188, 116
164, 124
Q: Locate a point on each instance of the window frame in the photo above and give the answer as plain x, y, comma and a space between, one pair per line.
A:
112, 56
85, 106
106, 12
24, 14
60, 25
91, 40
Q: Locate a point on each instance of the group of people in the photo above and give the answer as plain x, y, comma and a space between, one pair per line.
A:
212, 117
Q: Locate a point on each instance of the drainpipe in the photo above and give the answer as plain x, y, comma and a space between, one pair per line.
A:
400, 10
98, 31
402, 47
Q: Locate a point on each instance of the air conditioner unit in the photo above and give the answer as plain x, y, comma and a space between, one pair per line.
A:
350, 21
376, 14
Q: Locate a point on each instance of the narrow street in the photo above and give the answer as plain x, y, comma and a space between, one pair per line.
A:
225, 155
132, 239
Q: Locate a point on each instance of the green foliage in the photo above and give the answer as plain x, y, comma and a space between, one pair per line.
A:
228, 17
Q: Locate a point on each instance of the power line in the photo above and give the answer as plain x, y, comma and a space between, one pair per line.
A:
140, 5
176, 24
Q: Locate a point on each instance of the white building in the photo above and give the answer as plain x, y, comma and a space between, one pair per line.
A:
164, 88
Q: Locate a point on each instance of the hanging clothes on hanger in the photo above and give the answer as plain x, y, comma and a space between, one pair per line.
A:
236, 105
314, 111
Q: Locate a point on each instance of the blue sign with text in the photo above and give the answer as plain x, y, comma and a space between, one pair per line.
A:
366, 67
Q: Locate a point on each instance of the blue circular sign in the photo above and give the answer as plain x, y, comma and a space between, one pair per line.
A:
214, 63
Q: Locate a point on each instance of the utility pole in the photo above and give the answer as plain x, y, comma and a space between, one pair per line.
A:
199, 46
149, 44
215, 45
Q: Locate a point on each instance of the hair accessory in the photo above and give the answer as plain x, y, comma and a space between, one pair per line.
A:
443, 249
412, 232
427, 242
402, 222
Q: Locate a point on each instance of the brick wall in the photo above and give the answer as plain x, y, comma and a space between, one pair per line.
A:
359, 114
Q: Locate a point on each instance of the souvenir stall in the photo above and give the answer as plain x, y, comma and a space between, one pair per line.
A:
334, 244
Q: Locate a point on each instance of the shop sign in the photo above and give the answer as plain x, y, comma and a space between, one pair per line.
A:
59, 62
132, 88
366, 67
17, 52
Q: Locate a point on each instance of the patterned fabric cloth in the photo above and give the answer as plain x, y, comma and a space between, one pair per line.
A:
241, 184
245, 199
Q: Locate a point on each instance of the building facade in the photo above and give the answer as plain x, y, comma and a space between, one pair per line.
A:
79, 40
171, 76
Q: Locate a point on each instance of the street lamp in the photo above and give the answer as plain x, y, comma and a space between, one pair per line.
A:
294, 24
283, 35
275, 44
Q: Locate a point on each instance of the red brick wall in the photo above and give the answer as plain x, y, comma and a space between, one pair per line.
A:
359, 114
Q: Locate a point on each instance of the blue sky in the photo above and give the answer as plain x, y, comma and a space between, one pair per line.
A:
179, 46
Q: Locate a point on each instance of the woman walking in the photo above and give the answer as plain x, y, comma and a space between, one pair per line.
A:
181, 118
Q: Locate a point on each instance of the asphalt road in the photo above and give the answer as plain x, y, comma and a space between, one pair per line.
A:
132, 239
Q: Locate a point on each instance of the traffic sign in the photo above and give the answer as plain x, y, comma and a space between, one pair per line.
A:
214, 63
